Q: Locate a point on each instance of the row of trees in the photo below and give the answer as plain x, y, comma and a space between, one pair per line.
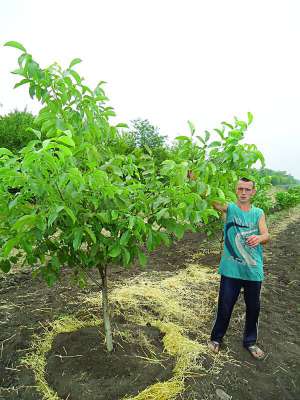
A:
279, 178
83, 195
288, 198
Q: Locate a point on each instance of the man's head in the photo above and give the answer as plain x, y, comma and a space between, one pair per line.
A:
245, 189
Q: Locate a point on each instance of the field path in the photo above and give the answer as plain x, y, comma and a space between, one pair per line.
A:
278, 376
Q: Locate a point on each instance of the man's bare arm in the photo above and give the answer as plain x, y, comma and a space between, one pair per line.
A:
263, 237
263, 230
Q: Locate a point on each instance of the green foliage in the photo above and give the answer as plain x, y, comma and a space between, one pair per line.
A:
216, 163
289, 198
263, 198
77, 197
279, 178
14, 130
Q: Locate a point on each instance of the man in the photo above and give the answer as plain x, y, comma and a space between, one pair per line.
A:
241, 265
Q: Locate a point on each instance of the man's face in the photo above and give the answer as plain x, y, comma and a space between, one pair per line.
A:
245, 191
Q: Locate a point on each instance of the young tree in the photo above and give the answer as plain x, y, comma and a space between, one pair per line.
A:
146, 134
148, 137
81, 201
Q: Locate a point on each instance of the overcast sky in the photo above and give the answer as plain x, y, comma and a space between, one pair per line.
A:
172, 61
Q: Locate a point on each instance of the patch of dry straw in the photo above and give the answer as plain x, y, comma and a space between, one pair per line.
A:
179, 305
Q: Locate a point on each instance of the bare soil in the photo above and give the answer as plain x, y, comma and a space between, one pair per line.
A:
28, 305
89, 372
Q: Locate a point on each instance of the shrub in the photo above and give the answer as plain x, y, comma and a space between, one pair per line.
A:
14, 132
286, 200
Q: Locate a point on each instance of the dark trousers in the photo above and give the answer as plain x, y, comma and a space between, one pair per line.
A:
229, 292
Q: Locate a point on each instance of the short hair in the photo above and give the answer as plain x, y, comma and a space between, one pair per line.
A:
247, 180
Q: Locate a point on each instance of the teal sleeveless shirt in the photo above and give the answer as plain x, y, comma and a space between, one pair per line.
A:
238, 259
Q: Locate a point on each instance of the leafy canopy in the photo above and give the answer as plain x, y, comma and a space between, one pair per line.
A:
76, 197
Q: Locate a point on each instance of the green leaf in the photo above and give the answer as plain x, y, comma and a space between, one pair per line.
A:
90, 233
26, 221
104, 217
70, 214
32, 91
37, 133
53, 214
235, 157
234, 176
9, 245
75, 76
16, 45
74, 62
50, 278
149, 243
160, 200
124, 238
121, 125
115, 251
201, 140
66, 140
179, 231
147, 148
182, 138
5, 265
207, 136
213, 168
19, 71
132, 222
221, 193
126, 256
168, 165
164, 238
211, 211
27, 246
220, 133
6, 152
22, 82
143, 259
175, 228
227, 124
192, 127
77, 238
250, 118
114, 215
216, 143
162, 213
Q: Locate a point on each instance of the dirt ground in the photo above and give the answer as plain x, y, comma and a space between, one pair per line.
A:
28, 305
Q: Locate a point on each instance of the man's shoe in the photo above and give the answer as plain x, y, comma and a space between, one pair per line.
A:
213, 346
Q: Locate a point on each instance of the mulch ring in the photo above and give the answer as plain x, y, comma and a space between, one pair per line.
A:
80, 368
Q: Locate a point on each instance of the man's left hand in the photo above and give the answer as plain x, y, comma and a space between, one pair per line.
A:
253, 241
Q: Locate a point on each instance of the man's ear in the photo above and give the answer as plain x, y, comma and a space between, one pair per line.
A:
253, 192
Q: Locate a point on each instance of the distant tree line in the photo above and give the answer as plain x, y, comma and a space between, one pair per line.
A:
279, 178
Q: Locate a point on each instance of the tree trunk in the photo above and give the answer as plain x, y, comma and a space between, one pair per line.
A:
105, 308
